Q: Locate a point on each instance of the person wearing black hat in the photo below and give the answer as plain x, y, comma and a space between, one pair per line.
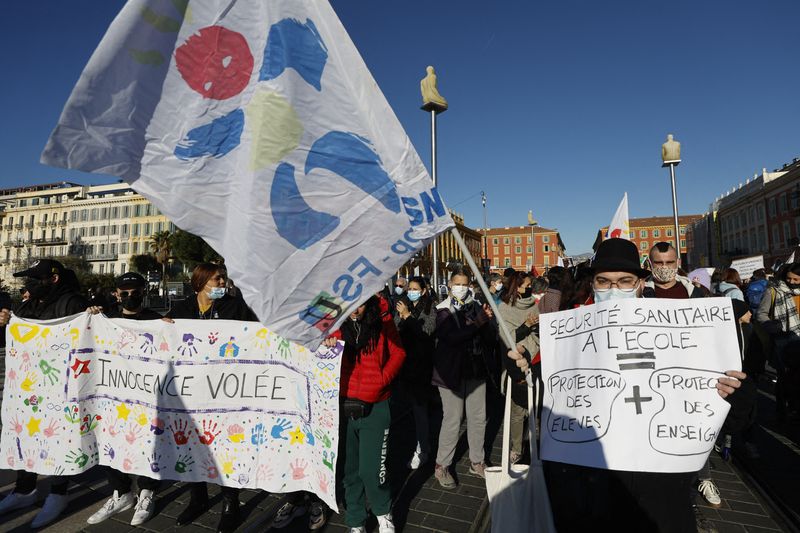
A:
585, 498
54, 293
130, 295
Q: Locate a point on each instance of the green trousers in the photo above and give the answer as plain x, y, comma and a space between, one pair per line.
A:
365, 468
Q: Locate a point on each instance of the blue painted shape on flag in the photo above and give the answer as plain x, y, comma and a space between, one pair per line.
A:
352, 158
292, 44
216, 138
296, 221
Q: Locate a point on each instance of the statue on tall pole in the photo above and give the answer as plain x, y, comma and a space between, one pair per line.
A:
671, 157
433, 103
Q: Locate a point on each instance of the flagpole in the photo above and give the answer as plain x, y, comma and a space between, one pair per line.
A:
435, 246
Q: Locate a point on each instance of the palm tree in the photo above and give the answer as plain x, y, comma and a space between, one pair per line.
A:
161, 246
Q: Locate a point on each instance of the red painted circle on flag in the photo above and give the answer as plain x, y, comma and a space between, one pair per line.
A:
617, 233
216, 62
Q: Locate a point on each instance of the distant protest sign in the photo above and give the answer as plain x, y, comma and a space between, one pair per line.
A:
747, 265
631, 384
221, 401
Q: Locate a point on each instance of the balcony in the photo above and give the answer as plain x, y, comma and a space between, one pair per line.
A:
42, 224
8, 227
15, 243
101, 257
29, 225
50, 241
53, 223
18, 225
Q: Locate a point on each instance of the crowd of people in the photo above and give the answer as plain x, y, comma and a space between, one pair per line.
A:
406, 346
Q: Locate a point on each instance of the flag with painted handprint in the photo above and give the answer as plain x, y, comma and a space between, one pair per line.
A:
260, 116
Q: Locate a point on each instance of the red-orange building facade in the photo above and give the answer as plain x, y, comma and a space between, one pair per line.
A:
511, 247
646, 232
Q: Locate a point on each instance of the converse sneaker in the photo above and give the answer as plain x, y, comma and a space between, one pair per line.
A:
115, 504
417, 460
53, 506
478, 469
286, 514
444, 477
144, 508
710, 492
15, 500
385, 524
317, 515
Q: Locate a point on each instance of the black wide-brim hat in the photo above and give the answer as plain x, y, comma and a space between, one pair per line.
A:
618, 255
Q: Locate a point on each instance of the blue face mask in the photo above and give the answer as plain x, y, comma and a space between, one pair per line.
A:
398, 290
414, 295
217, 292
613, 294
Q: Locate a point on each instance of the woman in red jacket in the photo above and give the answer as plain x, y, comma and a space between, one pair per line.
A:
372, 359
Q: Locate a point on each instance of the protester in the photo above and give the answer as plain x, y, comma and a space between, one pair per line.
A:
465, 338
779, 314
296, 505
665, 281
756, 290
701, 279
372, 359
559, 286
495, 284
211, 302
731, 285
54, 293
592, 499
416, 321
398, 292
519, 312
130, 296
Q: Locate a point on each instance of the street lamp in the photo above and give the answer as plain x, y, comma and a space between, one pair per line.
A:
532, 223
671, 157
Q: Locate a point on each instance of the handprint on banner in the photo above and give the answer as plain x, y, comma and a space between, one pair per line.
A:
309, 435
126, 338
324, 437
260, 340
30, 459
209, 432
299, 469
112, 426
10, 461
41, 341
43, 454
77, 457
140, 415
51, 430
211, 469
328, 462
184, 464
128, 463
25, 365
244, 477
284, 348
11, 374
326, 419
154, 459
178, 429
147, 346
187, 348
17, 425
322, 482
235, 433
281, 425
133, 433
264, 473
257, 435
227, 464
49, 372
108, 451
213, 336
29, 381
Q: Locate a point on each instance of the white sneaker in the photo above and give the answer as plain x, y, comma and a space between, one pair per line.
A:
115, 504
417, 460
710, 492
53, 506
359, 529
144, 508
15, 500
385, 524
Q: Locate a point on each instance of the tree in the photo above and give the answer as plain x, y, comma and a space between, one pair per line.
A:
190, 250
161, 245
143, 264
98, 283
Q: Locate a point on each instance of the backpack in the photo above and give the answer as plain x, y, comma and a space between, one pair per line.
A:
755, 293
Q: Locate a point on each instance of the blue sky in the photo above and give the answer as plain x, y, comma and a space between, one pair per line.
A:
559, 107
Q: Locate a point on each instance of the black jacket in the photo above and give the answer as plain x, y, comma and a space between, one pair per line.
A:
144, 314
226, 308
63, 300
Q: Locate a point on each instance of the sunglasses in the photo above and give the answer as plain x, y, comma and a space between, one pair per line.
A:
126, 294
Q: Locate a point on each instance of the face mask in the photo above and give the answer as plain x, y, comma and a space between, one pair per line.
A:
39, 288
398, 290
793, 286
664, 274
499, 287
527, 293
613, 294
132, 303
459, 292
414, 295
215, 293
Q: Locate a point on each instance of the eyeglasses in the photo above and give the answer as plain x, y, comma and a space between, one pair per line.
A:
126, 294
624, 283
401, 286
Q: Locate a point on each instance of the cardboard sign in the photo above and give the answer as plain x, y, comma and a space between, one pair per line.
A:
221, 401
631, 384
747, 265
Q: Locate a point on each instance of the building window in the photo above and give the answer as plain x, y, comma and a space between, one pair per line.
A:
545, 238
528, 249
123, 249
528, 238
102, 269
517, 240
772, 210
776, 235
135, 232
546, 248
147, 230
84, 215
519, 261
632, 235
518, 249
643, 245
670, 233
506, 240
507, 262
495, 250
495, 241
126, 211
136, 247
506, 249
547, 260
643, 234
124, 230
656, 233
782, 201
683, 230
111, 268
683, 243
787, 232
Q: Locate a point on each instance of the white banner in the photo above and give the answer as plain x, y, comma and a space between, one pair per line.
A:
631, 384
620, 227
747, 265
258, 116
222, 401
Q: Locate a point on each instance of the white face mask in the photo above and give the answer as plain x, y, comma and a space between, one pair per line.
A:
398, 290
499, 286
613, 294
215, 293
459, 291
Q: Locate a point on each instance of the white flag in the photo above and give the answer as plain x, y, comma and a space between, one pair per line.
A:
619, 226
257, 126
